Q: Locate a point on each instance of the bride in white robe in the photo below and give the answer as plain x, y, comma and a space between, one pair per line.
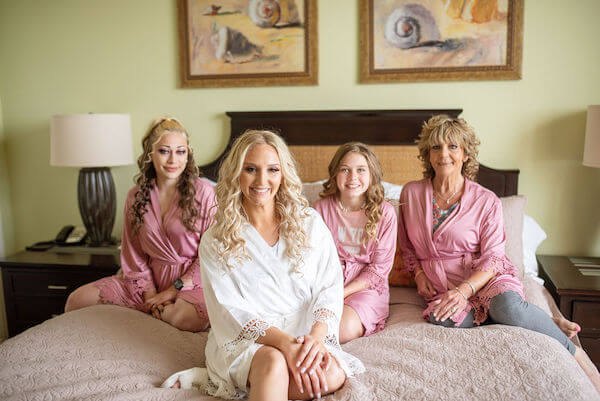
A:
273, 284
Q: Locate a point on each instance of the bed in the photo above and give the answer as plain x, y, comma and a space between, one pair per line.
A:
112, 353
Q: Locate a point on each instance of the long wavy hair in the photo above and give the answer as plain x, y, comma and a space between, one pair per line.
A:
290, 205
374, 195
442, 129
146, 178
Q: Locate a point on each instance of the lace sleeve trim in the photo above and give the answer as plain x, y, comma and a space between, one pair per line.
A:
251, 331
500, 265
323, 315
376, 282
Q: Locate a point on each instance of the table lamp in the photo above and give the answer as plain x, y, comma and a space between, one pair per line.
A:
94, 142
591, 150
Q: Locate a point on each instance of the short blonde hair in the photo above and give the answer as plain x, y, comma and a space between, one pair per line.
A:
375, 193
290, 205
445, 129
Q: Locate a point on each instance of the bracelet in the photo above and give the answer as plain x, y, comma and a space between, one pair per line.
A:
470, 285
460, 292
417, 273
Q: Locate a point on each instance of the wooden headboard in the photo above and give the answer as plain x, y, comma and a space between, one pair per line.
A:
313, 137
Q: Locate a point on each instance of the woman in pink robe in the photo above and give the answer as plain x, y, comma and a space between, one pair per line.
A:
364, 228
165, 216
452, 237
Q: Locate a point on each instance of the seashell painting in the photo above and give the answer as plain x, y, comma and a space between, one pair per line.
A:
228, 42
269, 13
422, 38
232, 46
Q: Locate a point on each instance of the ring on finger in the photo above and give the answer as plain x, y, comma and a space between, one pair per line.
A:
453, 310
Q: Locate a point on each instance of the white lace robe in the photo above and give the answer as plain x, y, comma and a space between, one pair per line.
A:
264, 291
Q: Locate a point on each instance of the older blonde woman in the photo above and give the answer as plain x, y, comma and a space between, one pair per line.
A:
273, 283
452, 237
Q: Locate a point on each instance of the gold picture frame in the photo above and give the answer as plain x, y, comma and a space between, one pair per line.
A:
435, 40
247, 43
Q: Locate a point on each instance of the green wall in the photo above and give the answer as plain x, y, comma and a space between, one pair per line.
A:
6, 231
74, 56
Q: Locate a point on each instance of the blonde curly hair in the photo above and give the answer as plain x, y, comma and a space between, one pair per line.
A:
290, 205
146, 178
375, 193
445, 129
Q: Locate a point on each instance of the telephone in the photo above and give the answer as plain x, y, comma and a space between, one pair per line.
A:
67, 236
70, 235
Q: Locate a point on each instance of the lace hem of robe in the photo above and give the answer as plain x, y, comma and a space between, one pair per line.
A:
138, 284
251, 331
325, 315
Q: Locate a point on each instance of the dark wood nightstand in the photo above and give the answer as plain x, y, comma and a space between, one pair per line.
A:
37, 284
578, 297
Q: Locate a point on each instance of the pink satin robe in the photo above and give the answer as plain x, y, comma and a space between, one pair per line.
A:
472, 238
162, 251
372, 264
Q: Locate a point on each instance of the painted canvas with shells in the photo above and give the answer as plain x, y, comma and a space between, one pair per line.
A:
235, 38
442, 35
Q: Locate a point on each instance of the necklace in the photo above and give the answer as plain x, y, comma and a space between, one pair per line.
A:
450, 197
347, 210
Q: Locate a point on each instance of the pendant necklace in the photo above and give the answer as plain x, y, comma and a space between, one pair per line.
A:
346, 210
451, 196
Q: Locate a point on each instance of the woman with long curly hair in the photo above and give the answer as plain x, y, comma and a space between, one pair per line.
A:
166, 213
364, 228
452, 238
273, 284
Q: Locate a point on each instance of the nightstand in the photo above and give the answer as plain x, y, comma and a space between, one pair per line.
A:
578, 297
37, 284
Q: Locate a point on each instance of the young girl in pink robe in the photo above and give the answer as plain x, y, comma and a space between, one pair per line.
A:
364, 229
166, 214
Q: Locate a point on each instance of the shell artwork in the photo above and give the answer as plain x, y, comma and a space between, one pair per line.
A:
233, 47
410, 25
270, 13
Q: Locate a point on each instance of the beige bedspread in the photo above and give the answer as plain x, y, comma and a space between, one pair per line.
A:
112, 353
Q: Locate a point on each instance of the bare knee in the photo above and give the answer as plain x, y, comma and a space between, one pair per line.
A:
350, 326
268, 362
86, 295
336, 377
184, 317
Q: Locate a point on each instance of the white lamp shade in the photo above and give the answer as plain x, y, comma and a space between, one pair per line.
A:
591, 151
90, 140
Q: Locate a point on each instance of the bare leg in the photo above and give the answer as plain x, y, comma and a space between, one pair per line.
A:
183, 315
568, 327
350, 326
335, 377
588, 367
268, 377
86, 295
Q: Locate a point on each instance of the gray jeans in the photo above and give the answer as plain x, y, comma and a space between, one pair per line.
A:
511, 309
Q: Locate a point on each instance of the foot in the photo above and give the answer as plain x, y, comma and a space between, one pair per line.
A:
569, 328
588, 367
187, 379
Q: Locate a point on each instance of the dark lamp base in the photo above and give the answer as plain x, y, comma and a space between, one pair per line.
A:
97, 204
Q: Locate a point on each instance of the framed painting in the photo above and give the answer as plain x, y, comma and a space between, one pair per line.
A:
440, 40
248, 43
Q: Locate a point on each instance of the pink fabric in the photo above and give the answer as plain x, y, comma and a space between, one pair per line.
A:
470, 239
372, 264
160, 252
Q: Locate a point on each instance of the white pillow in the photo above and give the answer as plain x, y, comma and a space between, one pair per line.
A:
533, 236
311, 191
211, 182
